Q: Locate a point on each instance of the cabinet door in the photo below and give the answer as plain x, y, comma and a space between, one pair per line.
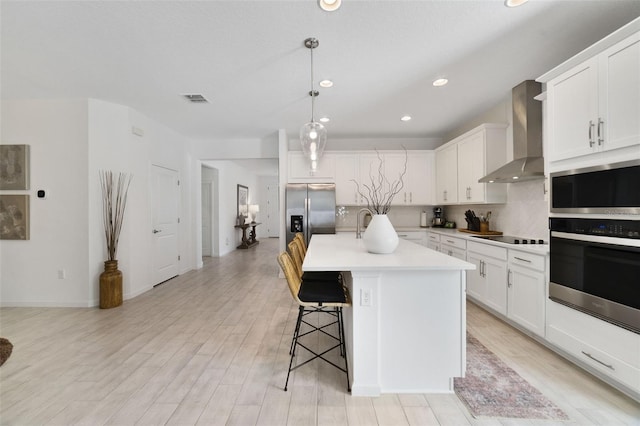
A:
369, 171
447, 175
495, 272
346, 178
619, 100
572, 103
476, 284
526, 298
471, 167
300, 168
422, 178
395, 167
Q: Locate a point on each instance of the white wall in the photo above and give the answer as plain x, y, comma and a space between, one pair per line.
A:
57, 132
71, 140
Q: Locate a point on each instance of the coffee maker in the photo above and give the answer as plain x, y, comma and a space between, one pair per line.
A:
438, 217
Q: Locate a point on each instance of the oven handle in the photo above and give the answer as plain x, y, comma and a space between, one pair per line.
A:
597, 239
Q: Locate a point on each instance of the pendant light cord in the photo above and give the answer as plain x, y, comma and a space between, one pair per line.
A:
313, 93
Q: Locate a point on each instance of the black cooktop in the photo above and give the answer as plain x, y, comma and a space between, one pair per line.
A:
510, 239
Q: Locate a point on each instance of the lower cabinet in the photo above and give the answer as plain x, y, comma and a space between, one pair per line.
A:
417, 237
452, 246
601, 347
526, 294
433, 241
488, 282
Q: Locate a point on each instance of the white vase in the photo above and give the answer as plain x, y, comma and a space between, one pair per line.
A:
380, 237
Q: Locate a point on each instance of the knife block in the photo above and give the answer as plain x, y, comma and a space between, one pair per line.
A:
474, 224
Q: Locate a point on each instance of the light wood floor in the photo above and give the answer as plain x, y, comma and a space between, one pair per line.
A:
211, 347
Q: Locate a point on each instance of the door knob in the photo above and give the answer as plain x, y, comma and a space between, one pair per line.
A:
155, 231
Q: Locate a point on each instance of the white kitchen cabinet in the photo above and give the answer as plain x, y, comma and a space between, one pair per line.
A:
447, 175
488, 283
595, 106
526, 290
476, 153
597, 345
419, 178
453, 246
369, 172
300, 169
346, 176
417, 237
433, 241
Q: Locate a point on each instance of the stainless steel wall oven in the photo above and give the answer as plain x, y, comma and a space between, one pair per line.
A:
595, 268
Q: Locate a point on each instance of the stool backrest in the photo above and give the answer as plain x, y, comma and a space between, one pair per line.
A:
296, 256
303, 246
293, 280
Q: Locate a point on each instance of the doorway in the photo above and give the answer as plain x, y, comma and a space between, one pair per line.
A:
165, 194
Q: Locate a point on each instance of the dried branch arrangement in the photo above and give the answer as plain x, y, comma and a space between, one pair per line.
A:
114, 201
379, 191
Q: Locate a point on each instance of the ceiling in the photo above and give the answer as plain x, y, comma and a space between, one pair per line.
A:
247, 58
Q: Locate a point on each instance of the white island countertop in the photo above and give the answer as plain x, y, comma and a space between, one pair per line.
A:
343, 252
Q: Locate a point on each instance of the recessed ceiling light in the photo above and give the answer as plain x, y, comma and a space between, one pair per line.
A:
440, 82
326, 83
329, 5
325, 119
405, 118
514, 3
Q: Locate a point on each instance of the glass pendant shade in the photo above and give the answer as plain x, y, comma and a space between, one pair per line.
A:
313, 137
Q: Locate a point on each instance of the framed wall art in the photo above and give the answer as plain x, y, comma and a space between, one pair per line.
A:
14, 217
14, 167
243, 201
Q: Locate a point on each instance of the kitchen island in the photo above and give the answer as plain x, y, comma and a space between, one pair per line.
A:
406, 330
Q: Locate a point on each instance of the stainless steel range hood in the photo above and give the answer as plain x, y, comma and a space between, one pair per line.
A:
528, 163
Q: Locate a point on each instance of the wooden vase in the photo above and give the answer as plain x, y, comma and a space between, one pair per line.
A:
110, 285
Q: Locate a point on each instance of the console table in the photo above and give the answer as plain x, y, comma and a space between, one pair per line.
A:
251, 240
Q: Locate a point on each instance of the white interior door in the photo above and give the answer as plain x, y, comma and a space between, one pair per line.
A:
165, 194
206, 218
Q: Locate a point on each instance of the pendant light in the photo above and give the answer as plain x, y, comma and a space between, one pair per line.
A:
313, 135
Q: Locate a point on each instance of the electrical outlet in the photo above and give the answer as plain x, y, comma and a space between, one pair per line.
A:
62, 274
365, 297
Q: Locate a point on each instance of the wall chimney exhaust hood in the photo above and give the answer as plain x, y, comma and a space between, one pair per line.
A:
528, 163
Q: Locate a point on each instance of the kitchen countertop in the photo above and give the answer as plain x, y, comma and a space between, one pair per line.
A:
343, 252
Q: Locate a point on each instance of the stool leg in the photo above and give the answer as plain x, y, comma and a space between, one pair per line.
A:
293, 345
343, 347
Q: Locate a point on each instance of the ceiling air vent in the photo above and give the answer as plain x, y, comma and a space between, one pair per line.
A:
196, 98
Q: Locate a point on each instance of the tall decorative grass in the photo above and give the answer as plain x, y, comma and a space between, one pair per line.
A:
115, 189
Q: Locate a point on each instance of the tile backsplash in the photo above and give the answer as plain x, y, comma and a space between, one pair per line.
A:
525, 214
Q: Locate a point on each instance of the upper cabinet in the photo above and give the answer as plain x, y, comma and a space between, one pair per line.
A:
447, 175
594, 107
300, 169
461, 162
345, 168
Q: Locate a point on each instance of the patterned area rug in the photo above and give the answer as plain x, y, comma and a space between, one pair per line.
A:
5, 349
491, 388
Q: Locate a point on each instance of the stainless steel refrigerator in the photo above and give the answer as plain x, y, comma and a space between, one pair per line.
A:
310, 209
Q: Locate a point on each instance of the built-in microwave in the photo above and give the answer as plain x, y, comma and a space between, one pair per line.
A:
612, 189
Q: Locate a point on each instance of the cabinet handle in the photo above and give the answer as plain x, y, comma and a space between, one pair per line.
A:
600, 131
444, 195
451, 242
597, 360
450, 253
521, 259
591, 141
411, 197
482, 268
403, 235
509, 278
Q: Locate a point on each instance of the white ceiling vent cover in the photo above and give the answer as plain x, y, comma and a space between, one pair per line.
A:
196, 98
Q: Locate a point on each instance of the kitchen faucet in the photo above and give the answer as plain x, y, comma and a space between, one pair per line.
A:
358, 232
